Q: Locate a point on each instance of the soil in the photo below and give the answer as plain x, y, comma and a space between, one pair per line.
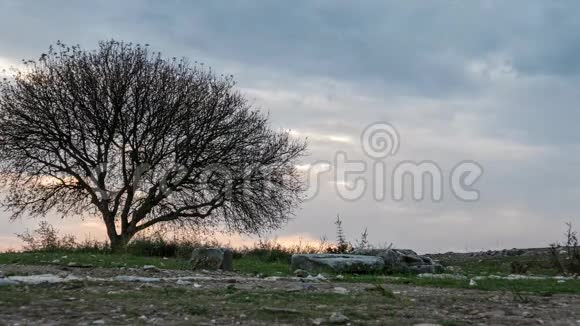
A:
214, 298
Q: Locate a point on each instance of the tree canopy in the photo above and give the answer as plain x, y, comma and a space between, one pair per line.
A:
139, 140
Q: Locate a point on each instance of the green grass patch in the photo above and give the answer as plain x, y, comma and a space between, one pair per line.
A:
540, 287
247, 264
539, 265
95, 260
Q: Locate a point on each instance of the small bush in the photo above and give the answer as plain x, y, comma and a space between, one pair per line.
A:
157, 244
519, 268
45, 237
566, 257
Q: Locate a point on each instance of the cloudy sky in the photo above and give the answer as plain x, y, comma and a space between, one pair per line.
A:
496, 82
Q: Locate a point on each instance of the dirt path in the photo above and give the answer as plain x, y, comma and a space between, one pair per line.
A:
98, 296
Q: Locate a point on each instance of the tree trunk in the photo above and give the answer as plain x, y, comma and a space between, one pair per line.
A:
119, 242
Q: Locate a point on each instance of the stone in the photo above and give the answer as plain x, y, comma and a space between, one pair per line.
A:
280, 310
5, 282
301, 273
443, 276
213, 259
336, 263
340, 290
132, 278
403, 261
152, 268
338, 318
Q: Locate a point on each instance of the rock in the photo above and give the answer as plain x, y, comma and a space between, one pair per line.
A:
337, 263
338, 318
340, 290
442, 276
6, 282
280, 310
403, 261
151, 268
132, 278
301, 273
213, 259
472, 283
43, 278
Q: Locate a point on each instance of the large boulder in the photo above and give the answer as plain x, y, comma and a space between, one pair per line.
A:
212, 259
333, 263
403, 261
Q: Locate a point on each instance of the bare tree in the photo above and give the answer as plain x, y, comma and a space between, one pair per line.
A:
138, 140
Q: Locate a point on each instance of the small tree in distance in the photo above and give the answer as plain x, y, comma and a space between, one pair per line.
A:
138, 140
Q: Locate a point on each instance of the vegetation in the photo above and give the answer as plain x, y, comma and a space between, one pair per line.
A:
566, 257
200, 304
269, 258
139, 141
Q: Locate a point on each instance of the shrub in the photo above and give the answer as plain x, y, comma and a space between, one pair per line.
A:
45, 237
566, 257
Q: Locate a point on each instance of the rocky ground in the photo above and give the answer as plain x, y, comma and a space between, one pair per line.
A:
121, 296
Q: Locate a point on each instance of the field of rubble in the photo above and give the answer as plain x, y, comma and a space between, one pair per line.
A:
53, 288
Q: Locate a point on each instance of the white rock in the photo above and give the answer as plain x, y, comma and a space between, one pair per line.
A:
150, 268
4, 282
43, 278
338, 318
318, 277
340, 290
442, 276
337, 263
131, 278
472, 282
